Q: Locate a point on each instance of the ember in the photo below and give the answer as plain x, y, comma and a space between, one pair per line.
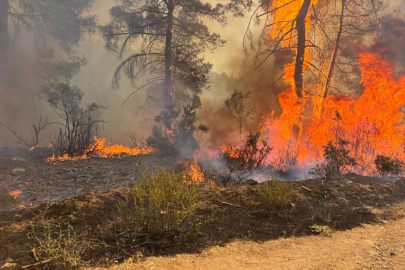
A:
15, 193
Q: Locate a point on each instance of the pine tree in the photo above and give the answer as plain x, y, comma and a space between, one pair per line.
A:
171, 37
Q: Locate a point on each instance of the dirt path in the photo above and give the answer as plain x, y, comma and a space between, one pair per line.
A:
370, 247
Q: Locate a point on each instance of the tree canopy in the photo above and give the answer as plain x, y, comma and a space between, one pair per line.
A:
171, 37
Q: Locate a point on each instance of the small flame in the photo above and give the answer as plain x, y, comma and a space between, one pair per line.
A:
194, 173
101, 149
15, 193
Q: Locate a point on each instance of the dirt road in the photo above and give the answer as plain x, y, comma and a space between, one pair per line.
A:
370, 247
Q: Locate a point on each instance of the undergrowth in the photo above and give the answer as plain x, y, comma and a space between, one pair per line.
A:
276, 195
250, 156
60, 246
7, 199
157, 205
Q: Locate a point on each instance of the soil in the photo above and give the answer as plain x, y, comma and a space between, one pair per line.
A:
43, 182
354, 222
378, 246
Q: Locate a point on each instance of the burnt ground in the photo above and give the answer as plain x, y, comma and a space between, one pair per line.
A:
226, 214
43, 182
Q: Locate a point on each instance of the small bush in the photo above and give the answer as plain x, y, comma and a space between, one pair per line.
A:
337, 160
157, 205
249, 156
174, 135
387, 165
7, 199
276, 195
78, 124
286, 162
63, 248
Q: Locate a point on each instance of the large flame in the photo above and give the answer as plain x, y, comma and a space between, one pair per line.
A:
373, 122
101, 149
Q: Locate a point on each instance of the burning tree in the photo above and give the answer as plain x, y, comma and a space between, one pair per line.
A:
307, 27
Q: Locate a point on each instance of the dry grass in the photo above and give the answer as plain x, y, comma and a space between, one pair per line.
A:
62, 247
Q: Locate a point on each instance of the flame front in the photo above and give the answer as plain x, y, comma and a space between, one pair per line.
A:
373, 122
101, 149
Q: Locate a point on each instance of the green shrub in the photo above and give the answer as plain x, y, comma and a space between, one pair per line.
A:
337, 160
275, 194
387, 165
7, 199
249, 156
157, 205
174, 135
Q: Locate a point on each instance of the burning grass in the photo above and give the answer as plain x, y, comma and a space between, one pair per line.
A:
102, 149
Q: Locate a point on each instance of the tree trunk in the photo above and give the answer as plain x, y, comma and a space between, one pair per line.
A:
3, 29
299, 61
240, 130
335, 51
168, 53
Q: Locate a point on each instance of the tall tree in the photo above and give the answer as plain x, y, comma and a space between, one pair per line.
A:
239, 108
58, 20
172, 36
307, 28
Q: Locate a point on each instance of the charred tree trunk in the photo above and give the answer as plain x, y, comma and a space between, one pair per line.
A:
335, 52
299, 61
168, 53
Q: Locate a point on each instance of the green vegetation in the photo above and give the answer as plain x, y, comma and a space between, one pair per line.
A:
337, 160
276, 195
387, 165
158, 205
249, 156
176, 137
7, 199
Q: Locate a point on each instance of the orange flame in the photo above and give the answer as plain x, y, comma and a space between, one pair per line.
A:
373, 122
194, 173
15, 193
101, 149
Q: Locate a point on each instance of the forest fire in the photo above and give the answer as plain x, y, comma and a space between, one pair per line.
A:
372, 123
193, 172
101, 149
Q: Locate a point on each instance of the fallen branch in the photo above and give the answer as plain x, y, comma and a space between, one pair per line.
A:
231, 204
308, 189
37, 263
35, 254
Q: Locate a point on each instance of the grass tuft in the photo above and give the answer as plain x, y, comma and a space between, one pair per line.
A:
275, 194
157, 205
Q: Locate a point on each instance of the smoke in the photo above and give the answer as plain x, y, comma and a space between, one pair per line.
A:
262, 85
21, 101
